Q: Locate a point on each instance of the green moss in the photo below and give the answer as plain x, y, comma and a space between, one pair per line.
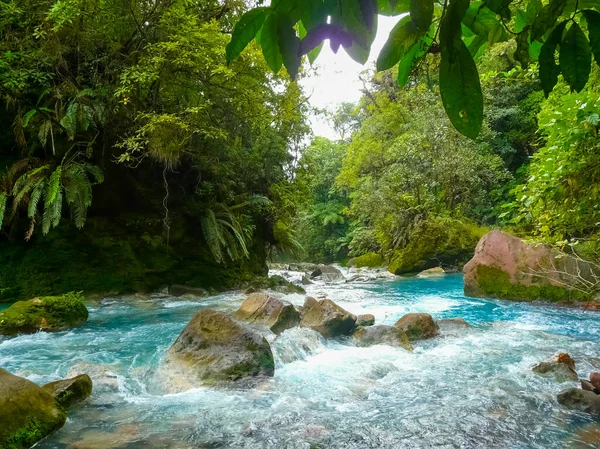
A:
440, 240
369, 260
276, 283
494, 282
46, 312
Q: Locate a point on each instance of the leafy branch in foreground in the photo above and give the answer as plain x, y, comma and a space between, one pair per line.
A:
459, 29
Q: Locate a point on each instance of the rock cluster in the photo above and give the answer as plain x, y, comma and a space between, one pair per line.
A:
586, 398
561, 367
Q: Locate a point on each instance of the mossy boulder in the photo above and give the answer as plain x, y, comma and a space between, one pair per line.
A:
368, 260
46, 313
214, 348
68, 392
276, 283
506, 267
432, 272
382, 335
329, 319
365, 320
439, 240
27, 412
578, 399
265, 309
418, 326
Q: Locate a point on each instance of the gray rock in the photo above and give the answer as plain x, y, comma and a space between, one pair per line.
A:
577, 399
450, 323
68, 392
328, 273
329, 319
382, 335
365, 320
561, 367
306, 280
180, 290
309, 302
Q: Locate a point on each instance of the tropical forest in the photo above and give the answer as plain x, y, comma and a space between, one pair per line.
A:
300, 224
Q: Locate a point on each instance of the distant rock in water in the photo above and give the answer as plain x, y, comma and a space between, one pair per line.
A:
46, 313
577, 399
431, 272
68, 392
506, 267
27, 412
181, 290
450, 323
365, 320
382, 335
276, 283
265, 309
561, 367
214, 348
329, 319
328, 273
418, 326
309, 301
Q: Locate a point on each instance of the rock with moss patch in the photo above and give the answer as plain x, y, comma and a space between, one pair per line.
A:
214, 348
329, 319
432, 272
265, 309
506, 267
46, 313
418, 326
577, 399
368, 260
27, 412
365, 320
69, 392
382, 335
561, 367
276, 283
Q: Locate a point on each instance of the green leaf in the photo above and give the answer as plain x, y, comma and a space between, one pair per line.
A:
28, 116
314, 53
481, 20
245, 30
289, 45
460, 89
549, 70
392, 7
313, 13
450, 28
269, 41
546, 18
533, 9
575, 58
421, 13
415, 52
593, 21
402, 37
500, 7
497, 34
348, 14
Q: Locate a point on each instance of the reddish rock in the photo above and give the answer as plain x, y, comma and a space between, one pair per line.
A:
263, 308
418, 326
561, 367
595, 380
506, 267
329, 319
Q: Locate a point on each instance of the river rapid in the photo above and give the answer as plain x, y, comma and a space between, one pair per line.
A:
467, 388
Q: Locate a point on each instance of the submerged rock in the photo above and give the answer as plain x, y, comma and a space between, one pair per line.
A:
261, 308
102, 375
329, 319
506, 267
577, 399
68, 392
382, 335
365, 320
181, 290
45, 313
561, 367
328, 273
431, 272
418, 326
276, 283
453, 323
214, 348
27, 412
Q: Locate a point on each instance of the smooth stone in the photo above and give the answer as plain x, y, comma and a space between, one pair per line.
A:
431, 272
595, 380
328, 273
265, 309
587, 385
382, 334
453, 323
365, 320
577, 399
68, 392
329, 319
309, 301
418, 326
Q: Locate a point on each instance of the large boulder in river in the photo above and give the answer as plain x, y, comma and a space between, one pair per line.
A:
577, 399
506, 267
46, 313
329, 319
382, 335
328, 274
27, 412
561, 367
418, 326
265, 309
68, 392
214, 348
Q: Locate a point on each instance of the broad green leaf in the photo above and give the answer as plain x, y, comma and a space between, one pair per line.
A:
549, 70
497, 34
520, 21
401, 38
476, 45
500, 7
460, 88
314, 53
481, 20
348, 14
269, 41
421, 13
450, 28
415, 52
522, 51
575, 58
534, 50
533, 9
313, 13
546, 18
392, 7
359, 53
245, 30
28, 116
593, 21
289, 45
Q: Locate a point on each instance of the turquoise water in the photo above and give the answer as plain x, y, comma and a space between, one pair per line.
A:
470, 388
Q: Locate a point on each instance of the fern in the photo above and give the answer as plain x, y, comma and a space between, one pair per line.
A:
3, 198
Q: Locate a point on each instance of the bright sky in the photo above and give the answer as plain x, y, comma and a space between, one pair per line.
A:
336, 78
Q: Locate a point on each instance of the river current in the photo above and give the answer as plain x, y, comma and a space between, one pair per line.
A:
467, 388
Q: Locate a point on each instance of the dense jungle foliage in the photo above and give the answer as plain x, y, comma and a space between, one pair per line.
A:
144, 146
